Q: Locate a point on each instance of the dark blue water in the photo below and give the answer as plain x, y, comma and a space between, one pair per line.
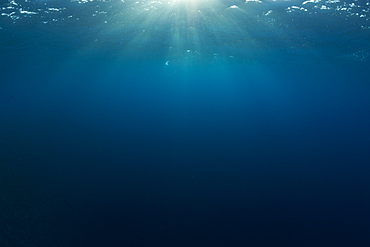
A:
224, 123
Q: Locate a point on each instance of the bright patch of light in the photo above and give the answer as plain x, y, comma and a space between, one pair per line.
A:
258, 1
183, 1
310, 1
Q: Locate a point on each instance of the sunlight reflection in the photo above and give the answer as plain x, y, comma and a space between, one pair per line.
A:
187, 30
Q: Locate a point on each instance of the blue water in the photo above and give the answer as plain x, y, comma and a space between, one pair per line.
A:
184, 123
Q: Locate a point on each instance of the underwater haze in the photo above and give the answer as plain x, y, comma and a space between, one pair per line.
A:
184, 123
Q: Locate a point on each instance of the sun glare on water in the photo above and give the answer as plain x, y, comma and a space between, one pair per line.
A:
184, 29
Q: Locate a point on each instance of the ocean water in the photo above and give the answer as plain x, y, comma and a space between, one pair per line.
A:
187, 123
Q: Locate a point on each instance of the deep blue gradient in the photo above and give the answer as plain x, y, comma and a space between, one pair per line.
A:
107, 147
